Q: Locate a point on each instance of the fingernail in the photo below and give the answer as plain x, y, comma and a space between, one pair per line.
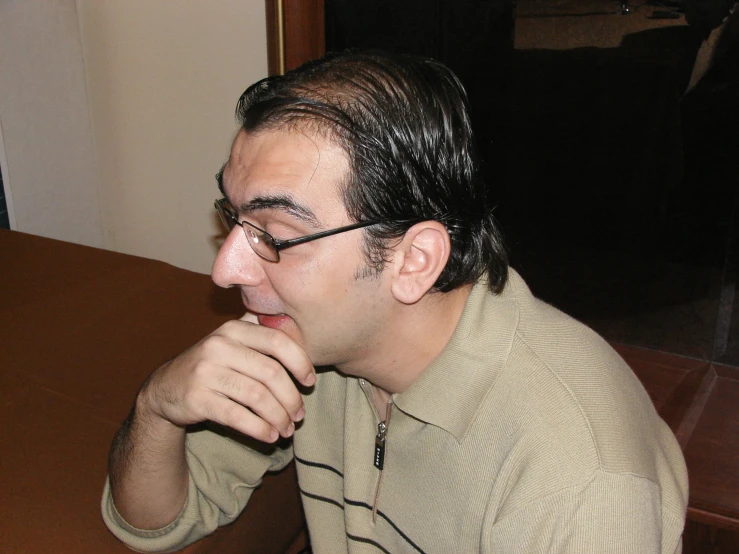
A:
310, 380
273, 435
300, 415
290, 430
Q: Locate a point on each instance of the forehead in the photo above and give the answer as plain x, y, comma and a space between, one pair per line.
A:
307, 167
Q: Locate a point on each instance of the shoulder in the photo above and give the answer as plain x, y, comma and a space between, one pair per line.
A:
577, 420
570, 378
605, 513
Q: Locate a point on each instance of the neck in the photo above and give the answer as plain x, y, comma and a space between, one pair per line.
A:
411, 341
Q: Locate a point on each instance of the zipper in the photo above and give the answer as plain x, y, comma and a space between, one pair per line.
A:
378, 460
380, 439
380, 445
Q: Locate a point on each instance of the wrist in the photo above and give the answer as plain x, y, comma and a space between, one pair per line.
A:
146, 416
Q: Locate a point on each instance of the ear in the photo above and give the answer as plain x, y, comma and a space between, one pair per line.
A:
419, 260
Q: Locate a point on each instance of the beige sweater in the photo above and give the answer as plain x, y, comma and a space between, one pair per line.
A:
527, 434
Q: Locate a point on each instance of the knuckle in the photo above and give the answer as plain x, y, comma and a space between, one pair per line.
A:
201, 370
229, 327
278, 340
212, 344
231, 415
272, 370
257, 394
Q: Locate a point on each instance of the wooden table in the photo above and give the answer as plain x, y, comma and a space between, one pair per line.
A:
80, 329
699, 400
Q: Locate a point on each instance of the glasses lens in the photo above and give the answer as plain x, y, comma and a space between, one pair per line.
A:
261, 242
227, 218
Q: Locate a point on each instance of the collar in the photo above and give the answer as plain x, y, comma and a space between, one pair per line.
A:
450, 391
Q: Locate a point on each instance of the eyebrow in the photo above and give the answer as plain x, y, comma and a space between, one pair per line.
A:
282, 202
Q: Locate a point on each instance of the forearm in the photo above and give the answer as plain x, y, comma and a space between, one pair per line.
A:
148, 470
239, 378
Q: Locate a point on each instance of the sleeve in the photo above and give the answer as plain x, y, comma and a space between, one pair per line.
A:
224, 471
610, 514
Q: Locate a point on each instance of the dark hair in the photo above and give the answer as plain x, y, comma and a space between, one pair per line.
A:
403, 122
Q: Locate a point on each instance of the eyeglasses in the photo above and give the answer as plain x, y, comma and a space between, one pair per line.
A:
265, 245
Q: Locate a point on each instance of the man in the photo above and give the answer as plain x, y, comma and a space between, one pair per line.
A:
451, 411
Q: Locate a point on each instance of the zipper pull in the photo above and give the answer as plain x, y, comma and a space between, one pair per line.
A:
380, 445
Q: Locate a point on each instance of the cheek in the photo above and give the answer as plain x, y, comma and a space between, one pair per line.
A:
303, 283
318, 279
339, 258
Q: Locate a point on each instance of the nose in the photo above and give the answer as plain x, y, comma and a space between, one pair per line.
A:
236, 263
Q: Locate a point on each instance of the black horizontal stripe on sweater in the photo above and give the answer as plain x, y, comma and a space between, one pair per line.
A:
383, 516
317, 464
368, 541
368, 507
355, 503
322, 498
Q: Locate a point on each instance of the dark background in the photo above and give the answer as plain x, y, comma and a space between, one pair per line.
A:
616, 191
4, 221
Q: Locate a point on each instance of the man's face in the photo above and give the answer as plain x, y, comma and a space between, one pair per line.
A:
289, 184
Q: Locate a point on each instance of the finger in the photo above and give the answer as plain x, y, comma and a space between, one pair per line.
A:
226, 412
255, 396
268, 372
276, 344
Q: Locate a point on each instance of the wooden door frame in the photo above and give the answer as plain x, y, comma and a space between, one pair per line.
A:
295, 33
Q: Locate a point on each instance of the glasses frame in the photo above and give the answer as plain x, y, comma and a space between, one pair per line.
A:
228, 214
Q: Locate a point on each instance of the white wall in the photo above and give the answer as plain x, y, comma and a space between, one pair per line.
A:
163, 78
48, 161
116, 114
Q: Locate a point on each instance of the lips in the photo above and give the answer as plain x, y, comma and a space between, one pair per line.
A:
274, 321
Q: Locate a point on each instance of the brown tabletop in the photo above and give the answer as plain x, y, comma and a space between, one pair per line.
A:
80, 329
699, 400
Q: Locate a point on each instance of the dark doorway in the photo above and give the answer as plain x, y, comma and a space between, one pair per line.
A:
4, 218
473, 37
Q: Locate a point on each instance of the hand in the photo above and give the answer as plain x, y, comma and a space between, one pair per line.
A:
238, 377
